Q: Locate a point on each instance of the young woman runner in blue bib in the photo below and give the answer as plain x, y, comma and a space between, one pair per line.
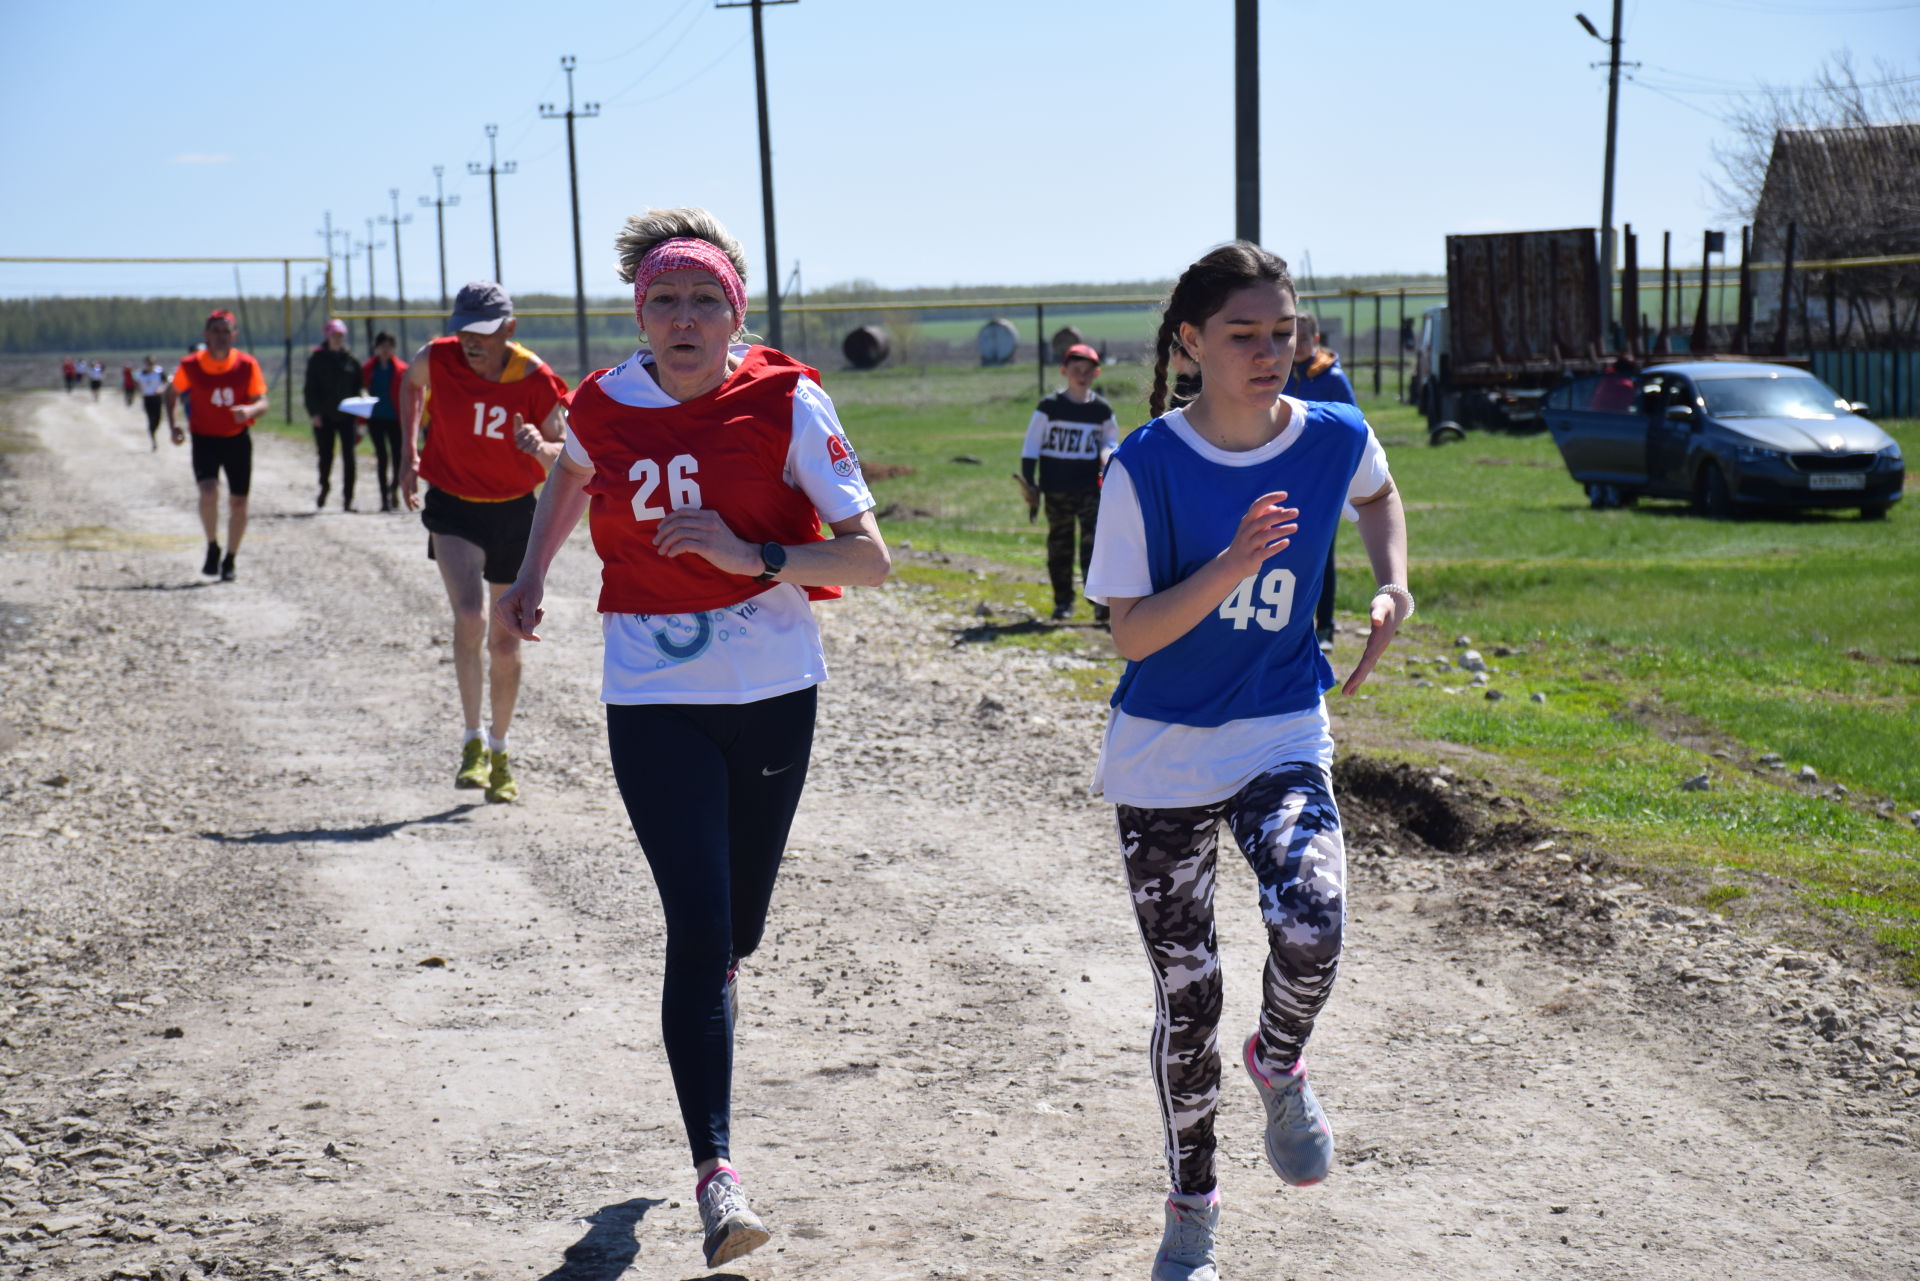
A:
1215, 523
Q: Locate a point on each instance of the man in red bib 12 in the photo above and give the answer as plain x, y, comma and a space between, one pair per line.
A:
228, 391
498, 416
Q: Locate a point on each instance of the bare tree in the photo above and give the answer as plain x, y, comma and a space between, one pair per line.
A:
1837, 98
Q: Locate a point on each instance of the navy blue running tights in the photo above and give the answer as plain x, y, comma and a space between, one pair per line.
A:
711, 790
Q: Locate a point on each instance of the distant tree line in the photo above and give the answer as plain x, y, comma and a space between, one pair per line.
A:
168, 326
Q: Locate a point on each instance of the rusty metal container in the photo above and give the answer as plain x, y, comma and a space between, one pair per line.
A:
1523, 304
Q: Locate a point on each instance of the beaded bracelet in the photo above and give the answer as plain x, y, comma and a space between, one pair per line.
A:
1395, 589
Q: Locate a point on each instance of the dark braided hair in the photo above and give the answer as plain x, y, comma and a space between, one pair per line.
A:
1202, 290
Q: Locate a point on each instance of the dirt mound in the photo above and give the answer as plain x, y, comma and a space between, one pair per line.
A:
1442, 809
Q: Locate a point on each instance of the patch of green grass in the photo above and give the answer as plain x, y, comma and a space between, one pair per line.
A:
1721, 895
1658, 637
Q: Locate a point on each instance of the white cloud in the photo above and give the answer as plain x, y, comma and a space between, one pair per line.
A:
202, 158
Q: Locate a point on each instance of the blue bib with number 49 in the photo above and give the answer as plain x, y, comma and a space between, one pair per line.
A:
1255, 654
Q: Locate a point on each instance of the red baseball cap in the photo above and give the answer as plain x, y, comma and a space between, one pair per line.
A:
1080, 351
221, 313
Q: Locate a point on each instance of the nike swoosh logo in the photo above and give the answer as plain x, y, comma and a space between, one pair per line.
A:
769, 773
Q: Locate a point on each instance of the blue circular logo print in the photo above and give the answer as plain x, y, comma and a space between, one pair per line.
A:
681, 638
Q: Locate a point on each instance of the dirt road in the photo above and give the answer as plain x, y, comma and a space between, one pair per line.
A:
279, 1002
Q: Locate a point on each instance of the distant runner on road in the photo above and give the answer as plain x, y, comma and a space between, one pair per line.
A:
498, 416
152, 381
228, 392
332, 376
709, 467
1214, 526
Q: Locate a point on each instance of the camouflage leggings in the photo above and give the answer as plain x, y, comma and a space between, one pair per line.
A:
1064, 512
1287, 825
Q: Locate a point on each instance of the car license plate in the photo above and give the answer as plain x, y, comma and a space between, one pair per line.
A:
1836, 480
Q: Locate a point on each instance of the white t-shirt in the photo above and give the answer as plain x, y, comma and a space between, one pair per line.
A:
760, 648
1158, 765
150, 381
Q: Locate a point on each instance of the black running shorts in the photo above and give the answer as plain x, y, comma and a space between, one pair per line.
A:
498, 529
231, 454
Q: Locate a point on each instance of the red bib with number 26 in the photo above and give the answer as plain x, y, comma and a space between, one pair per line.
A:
725, 451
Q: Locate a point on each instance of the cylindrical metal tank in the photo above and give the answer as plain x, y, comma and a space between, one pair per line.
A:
1063, 338
866, 347
997, 340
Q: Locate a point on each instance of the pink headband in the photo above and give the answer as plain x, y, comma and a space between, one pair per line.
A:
686, 251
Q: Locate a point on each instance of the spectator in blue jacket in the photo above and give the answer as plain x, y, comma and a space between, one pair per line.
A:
1317, 375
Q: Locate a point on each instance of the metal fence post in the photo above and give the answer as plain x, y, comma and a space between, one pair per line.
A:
286, 325
1376, 346
1040, 345
1400, 352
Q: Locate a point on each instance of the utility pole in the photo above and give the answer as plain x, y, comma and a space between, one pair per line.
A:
766, 162
346, 259
1246, 116
1606, 187
493, 170
372, 293
439, 205
327, 233
399, 278
586, 111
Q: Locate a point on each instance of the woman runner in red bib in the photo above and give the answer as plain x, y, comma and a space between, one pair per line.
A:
708, 468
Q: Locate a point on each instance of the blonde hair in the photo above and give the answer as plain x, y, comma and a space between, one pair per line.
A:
645, 230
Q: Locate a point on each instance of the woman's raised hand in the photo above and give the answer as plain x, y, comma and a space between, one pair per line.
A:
702, 532
1385, 616
1265, 529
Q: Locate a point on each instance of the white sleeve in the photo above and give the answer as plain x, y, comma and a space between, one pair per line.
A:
1109, 435
577, 452
1036, 431
1370, 477
820, 462
1119, 542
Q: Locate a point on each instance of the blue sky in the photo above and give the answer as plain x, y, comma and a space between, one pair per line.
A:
915, 143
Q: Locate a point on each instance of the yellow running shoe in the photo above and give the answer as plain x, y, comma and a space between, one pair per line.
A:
500, 785
473, 764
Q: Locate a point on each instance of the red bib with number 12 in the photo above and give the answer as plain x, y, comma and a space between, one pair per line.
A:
470, 450
725, 452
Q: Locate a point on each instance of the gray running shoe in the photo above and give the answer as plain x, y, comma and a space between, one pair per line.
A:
1186, 1247
1299, 1140
732, 1229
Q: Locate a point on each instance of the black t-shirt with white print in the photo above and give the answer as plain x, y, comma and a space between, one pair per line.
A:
1068, 437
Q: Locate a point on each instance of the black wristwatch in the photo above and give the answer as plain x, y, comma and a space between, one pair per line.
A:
774, 557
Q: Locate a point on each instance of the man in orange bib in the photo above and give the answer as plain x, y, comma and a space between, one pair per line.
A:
483, 459
227, 392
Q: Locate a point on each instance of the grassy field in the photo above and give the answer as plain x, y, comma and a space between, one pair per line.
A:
1666, 645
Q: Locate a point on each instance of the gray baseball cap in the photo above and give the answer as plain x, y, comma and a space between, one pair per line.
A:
480, 307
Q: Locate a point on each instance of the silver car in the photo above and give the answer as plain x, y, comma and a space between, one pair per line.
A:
1723, 435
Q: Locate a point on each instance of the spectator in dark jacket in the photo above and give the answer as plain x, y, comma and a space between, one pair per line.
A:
1317, 375
332, 376
380, 377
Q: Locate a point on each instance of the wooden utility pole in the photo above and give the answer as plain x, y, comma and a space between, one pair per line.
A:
585, 111
493, 170
439, 205
1606, 182
766, 162
372, 293
1246, 118
399, 278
